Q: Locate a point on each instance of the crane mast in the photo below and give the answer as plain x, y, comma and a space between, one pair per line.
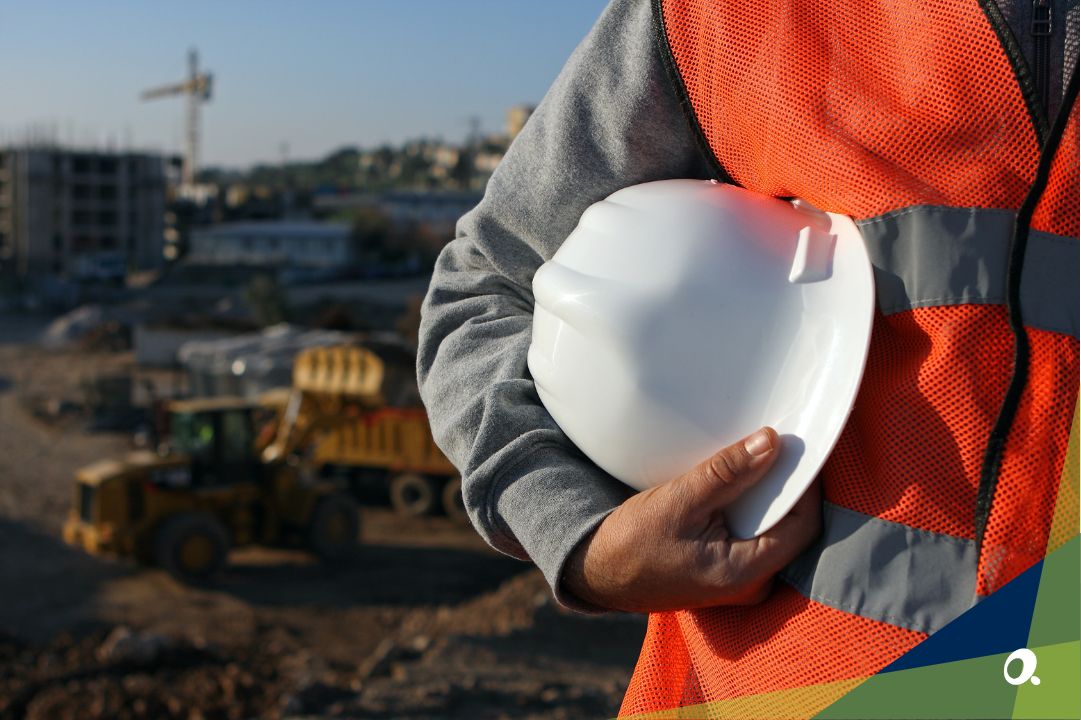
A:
197, 89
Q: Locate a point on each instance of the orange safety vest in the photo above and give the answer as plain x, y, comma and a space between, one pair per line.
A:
919, 120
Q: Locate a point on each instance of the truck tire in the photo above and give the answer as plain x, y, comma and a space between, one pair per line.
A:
192, 547
335, 522
453, 505
414, 495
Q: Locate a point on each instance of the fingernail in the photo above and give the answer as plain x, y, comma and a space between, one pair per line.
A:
758, 443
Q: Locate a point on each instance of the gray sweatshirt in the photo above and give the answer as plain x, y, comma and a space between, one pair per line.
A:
612, 119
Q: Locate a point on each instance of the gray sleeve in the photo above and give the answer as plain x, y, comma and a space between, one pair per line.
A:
610, 120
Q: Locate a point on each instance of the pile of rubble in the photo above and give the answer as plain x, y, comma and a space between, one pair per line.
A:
474, 660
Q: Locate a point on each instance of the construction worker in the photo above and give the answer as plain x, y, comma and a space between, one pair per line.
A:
948, 129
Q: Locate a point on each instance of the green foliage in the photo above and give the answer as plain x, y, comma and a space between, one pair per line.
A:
370, 231
266, 300
415, 165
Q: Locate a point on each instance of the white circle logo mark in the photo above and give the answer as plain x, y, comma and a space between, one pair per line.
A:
1028, 668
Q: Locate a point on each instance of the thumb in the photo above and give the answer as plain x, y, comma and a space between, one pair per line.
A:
721, 478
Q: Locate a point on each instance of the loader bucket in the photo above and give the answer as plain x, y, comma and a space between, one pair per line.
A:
343, 371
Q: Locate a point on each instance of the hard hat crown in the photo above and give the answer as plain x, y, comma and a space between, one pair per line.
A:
680, 315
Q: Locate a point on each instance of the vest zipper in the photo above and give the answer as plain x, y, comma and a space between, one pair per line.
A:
996, 443
1041, 35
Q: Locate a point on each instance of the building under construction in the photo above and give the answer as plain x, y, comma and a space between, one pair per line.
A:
80, 215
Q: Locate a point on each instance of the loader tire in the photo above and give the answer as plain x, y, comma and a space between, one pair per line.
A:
453, 504
335, 523
414, 495
192, 546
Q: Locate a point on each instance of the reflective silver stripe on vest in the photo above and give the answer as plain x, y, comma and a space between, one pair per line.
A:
886, 571
927, 255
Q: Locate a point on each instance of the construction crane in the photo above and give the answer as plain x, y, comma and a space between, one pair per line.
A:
197, 88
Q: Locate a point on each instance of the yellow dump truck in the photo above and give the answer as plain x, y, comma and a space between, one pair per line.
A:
393, 447
232, 472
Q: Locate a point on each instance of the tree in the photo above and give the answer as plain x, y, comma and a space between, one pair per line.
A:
370, 233
266, 300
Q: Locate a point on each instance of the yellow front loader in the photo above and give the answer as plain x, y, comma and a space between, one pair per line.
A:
232, 472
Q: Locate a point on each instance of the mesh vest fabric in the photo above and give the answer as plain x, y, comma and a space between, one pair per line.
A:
865, 109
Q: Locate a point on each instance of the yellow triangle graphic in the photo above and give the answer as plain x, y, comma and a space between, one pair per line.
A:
792, 704
1066, 521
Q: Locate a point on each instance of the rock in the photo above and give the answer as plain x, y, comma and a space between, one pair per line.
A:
420, 643
291, 705
122, 645
314, 698
68, 329
550, 695
380, 661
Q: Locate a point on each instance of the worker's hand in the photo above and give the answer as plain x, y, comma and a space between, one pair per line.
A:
668, 548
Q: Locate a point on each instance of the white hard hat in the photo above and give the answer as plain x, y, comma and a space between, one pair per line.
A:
681, 315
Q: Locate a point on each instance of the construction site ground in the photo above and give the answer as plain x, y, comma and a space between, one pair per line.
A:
424, 622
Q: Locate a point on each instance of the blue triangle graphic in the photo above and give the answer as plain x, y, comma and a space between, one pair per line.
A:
998, 624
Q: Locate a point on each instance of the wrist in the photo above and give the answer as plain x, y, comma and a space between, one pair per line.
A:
594, 573
575, 580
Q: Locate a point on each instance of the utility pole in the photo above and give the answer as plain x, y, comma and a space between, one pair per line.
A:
474, 131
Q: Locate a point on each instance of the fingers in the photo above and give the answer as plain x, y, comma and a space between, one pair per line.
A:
766, 554
667, 548
721, 478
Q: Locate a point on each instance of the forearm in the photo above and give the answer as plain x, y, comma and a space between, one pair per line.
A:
609, 121
528, 491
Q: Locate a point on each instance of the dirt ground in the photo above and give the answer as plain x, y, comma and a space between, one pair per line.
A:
426, 621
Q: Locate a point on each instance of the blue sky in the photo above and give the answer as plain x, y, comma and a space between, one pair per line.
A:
316, 74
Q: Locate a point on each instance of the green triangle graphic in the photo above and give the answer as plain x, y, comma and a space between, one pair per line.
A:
1056, 618
971, 688
1055, 638
1058, 696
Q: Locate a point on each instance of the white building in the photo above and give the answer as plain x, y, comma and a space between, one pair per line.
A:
290, 243
439, 210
